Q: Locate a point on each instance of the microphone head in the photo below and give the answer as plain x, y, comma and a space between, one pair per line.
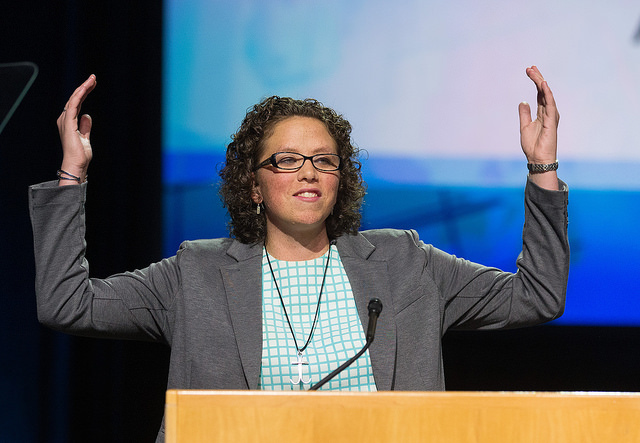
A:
375, 306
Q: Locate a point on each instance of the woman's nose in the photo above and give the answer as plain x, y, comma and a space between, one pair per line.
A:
307, 170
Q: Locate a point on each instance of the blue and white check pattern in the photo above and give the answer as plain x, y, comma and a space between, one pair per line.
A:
338, 335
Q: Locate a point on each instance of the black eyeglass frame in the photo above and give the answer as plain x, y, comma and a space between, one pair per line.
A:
272, 161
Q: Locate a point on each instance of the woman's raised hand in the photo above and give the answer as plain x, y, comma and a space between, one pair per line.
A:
74, 133
539, 137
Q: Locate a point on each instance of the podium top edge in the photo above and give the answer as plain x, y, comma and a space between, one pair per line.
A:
406, 394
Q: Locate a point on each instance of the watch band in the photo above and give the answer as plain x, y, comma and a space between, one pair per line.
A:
536, 168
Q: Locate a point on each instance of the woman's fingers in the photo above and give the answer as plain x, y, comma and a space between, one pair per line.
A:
84, 128
72, 108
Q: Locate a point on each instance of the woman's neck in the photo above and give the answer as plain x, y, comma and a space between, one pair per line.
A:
296, 248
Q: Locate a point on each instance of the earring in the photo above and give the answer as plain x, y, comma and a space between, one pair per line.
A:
258, 208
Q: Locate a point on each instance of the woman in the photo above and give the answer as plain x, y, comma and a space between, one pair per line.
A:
283, 303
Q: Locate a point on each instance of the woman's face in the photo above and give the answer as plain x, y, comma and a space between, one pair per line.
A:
297, 201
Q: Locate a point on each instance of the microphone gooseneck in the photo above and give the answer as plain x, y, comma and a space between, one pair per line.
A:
375, 308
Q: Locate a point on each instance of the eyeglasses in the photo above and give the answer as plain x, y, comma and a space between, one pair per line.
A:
292, 161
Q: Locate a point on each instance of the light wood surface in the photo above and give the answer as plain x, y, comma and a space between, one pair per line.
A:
451, 417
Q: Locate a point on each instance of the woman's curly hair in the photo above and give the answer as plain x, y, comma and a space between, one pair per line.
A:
243, 153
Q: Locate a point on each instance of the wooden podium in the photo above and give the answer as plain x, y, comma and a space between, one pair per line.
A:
493, 417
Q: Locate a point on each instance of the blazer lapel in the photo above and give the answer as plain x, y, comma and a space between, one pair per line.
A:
243, 282
369, 279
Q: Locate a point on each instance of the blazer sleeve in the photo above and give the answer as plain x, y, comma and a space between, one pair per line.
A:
480, 297
133, 305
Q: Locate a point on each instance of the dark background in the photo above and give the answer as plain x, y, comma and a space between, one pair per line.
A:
57, 388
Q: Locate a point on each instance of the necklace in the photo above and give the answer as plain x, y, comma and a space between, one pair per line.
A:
300, 361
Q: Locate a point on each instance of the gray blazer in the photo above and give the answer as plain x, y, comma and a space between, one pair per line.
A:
205, 301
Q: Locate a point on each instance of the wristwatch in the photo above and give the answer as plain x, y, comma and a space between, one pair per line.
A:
535, 168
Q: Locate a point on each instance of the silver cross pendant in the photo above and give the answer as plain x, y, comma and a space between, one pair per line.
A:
300, 361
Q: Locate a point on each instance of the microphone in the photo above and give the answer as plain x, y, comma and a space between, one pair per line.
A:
375, 308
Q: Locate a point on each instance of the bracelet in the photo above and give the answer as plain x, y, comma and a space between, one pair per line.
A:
71, 176
535, 168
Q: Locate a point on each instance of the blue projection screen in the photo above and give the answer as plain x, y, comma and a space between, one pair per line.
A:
431, 89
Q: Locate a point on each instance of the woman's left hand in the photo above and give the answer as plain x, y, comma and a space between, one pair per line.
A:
539, 138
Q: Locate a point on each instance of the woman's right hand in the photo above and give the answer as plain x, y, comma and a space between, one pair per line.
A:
74, 133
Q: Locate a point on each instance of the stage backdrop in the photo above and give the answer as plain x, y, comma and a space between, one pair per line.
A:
431, 88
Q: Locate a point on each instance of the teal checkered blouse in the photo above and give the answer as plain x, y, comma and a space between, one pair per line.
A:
338, 334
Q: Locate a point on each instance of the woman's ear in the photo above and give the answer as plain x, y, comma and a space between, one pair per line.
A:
255, 192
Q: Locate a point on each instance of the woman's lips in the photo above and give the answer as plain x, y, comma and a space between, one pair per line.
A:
308, 194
